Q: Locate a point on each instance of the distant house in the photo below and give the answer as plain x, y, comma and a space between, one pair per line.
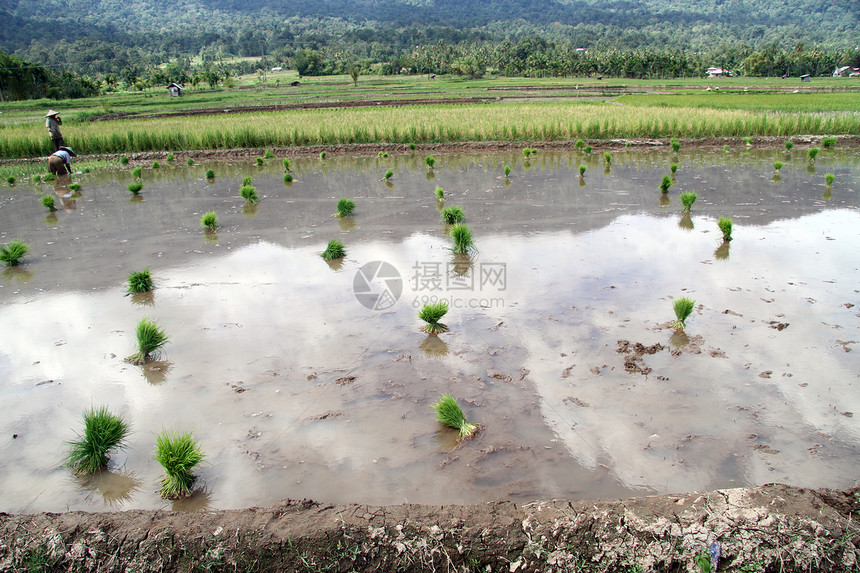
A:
855, 72
806, 78
839, 71
717, 72
175, 89
277, 69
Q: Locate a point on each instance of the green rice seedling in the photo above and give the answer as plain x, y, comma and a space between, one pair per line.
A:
665, 183
462, 237
178, 453
260, 161
288, 177
249, 194
627, 144
683, 308
828, 142
136, 172
74, 187
103, 433
322, 155
582, 169
448, 412
432, 314
829, 178
85, 170
13, 252
687, 200
607, 156
673, 168
812, 153
725, 225
11, 180
334, 250
123, 160
247, 181
170, 156
777, 165
788, 145
527, 152
286, 164
453, 215
150, 340
388, 175
190, 162
507, 171
140, 281
49, 177
748, 140
268, 155
440, 193
210, 174
430, 161
135, 187
345, 207
588, 149
209, 220
156, 165
676, 145
37, 178
411, 146
579, 144
726, 148
49, 203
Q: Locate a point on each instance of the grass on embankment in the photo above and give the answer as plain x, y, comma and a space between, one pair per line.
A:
423, 124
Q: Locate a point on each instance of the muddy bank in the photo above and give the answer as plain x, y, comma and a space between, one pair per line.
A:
769, 528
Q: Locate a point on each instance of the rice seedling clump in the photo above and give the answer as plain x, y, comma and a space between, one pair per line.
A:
249, 194
462, 237
777, 165
388, 175
150, 340
103, 432
430, 161
829, 178
683, 308
448, 412
74, 187
140, 281
440, 193
665, 183
48, 202
135, 187
209, 220
136, 172
334, 250
432, 314
210, 174
178, 453
453, 215
13, 252
288, 177
725, 225
687, 200
345, 207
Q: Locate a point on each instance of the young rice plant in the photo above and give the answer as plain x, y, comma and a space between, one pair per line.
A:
334, 250
13, 252
345, 207
440, 193
432, 314
683, 309
48, 203
178, 453
249, 194
665, 183
687, 200
103, 432
829, 178
448, 412
725, 225
150, 340
453, 215
140, 281
462, 237
135, 187
209, 220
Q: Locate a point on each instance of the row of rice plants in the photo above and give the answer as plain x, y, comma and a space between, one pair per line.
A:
430, 124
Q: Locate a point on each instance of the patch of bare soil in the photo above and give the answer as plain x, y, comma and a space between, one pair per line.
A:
769, 528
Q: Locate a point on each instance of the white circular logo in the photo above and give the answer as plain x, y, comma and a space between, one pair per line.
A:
377, 285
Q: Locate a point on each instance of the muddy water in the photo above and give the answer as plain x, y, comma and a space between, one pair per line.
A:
295, 389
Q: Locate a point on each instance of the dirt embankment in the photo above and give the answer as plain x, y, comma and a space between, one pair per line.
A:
771, 528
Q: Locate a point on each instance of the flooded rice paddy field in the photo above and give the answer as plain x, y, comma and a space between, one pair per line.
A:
560, 344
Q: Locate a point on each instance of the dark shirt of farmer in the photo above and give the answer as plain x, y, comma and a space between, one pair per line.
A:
53, 123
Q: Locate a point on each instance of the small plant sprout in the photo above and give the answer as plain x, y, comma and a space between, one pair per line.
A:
507, 171
135, 187
828, 142
190, 161
123, 160
322, 155
829, 178
579, 144
462, 237
249, 194
11, 180
170, 156
136, 172
411, 146
140, 281
527, 152
247, 181
726, 148
178, 453
777, 165
665, 183
788, 145
345, 207
103, 432
260, 161
287, 164
432, 314
49, 203
49, 177
453, 215
683, 309
607, 156
725, 225
588, 149
209, 221
673, 168
582, 169
74, 187
676, 145
210, 174
156, 165
440, 193
448, 412
37, 178
812, 154
150, 340
430, 162
748, 140
687, 200
268, 154
334, 250
13, 252
288, 177
388, 175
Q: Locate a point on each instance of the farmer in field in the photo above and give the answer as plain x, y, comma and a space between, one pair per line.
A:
53, 123
60, 162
